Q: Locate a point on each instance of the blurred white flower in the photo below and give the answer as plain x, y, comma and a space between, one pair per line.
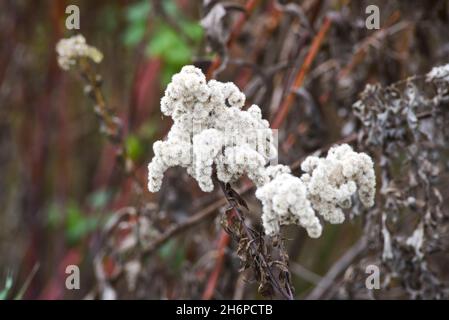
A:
71, 49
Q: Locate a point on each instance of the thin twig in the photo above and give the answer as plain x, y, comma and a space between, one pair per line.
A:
337, 269
361, 51
175, 229
305, 273
300, 76
223, 242
237, 28
111, 125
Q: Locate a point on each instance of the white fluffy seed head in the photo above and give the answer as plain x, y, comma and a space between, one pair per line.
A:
210, 126
71, 49
332, 181
211, 131
284, 201
326, 188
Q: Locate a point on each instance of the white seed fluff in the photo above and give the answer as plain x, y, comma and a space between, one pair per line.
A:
211, 130
332, 181
284, 201
326, 187
71, 49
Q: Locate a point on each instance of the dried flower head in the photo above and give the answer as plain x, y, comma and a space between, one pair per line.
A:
71, 49
332, 181
211, 131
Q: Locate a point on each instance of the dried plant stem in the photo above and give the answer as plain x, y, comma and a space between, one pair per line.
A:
223, 242
110, 124
207, 212
337, 269
300, 76
287, 292
362, 50
249, 7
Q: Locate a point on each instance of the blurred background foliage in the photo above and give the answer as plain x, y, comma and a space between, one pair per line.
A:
59, 182
61, 185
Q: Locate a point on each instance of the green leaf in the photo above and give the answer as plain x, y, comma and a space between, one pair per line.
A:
172, 49
78, 225
170, 8
139, 11
167, 73
166, 250
193, 30
137, 15
134, 147
173, 253
179, 55
167, 44
163, 40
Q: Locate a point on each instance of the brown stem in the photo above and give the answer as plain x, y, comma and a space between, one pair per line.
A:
337, 269
194, 220
237, 28
300, 76
111, 125
286, 293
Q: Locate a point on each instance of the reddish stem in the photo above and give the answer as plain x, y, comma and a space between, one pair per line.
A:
300, 76
249, 7
223, 242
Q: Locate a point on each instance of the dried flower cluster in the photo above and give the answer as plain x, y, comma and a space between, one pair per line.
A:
332, 181
326, 187
210, 129
406, 124
71, 49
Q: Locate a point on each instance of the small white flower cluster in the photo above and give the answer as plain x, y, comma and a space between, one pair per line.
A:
210, 128
332, 181
326, 187
284, 201
440, 73
71, 49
